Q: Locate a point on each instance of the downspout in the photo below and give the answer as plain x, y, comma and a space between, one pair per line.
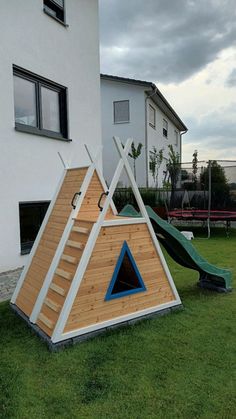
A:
146, 131
180, 148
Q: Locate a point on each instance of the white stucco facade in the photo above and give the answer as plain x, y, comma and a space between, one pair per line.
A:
137, 93
68, 55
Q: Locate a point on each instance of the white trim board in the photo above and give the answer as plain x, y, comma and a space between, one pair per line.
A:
124, 221
117, 320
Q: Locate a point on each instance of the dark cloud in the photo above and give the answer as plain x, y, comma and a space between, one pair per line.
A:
164, 40
216, 130
231, 80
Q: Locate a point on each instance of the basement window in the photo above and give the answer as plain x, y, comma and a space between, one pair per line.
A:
31, 217
55, 8
126, 278
40, 105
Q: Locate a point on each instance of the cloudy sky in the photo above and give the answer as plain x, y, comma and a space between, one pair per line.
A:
186, 47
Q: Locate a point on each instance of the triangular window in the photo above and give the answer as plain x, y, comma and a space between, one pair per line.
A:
126, 278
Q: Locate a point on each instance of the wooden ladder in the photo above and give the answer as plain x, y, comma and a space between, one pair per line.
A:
64, 275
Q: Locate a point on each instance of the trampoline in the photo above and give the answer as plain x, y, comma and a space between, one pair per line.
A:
204, 215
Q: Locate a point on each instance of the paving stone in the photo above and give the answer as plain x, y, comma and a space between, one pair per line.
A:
8, 282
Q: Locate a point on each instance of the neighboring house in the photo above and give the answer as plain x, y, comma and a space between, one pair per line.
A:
49, 103
137, 109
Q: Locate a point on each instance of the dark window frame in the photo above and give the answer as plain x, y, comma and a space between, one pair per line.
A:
63, 95
51, 7
165, 130
114, 119
42, 206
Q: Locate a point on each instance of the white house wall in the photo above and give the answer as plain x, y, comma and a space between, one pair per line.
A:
29, 165
115, 91
157, 139
112, 90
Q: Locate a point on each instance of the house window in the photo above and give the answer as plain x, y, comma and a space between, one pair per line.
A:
40, 105
31, 218
165, 128
176, 137
121, 111
152, 116
55, 8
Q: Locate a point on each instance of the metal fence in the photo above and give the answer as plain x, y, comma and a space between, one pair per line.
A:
203, 193
209, 185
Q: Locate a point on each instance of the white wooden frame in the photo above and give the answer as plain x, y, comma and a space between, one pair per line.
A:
117, 320
58, 334
61, 245
58, 330
101, 178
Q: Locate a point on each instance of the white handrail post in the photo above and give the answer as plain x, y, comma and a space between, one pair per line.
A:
101, 178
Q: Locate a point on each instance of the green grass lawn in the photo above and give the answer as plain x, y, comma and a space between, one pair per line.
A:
178, 366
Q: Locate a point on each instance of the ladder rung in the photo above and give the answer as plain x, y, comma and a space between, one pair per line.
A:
77, 245
44, 319
57, 289
51, 304
64, 274
82, 230
69, 259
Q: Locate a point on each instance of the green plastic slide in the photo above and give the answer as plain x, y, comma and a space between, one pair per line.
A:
183, 252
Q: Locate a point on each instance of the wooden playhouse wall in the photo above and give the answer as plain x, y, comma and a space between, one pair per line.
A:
49, 240
90, 306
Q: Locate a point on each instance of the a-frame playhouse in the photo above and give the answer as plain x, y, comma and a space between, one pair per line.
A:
90, 268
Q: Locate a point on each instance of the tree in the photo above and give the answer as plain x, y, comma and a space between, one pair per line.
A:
173, 167
156, 158
134, 154
220, 190
194, 166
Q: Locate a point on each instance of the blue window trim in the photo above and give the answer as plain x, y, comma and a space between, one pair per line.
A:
109, 296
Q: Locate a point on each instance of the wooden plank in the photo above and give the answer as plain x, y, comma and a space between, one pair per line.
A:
52, 304
57, 289
64, 274
69, 259
98, 316
77, 245
46, 321
67, 267
82, 230
77, 237
121, 229
74, 252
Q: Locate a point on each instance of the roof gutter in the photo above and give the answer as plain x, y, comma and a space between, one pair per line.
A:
180, 148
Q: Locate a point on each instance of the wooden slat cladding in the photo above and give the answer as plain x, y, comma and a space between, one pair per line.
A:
89, 306
89, 208
63, 276
49, 240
